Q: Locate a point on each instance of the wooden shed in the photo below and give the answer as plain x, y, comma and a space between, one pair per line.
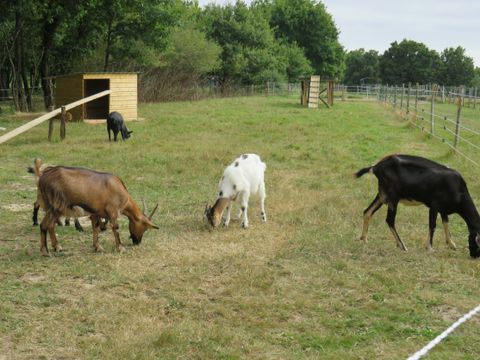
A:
123, 97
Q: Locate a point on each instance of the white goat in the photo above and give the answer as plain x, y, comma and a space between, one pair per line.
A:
242, 178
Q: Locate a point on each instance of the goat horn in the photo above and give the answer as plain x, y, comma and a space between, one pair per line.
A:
153, 212
144, 206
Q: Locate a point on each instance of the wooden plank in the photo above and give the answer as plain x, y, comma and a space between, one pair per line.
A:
47, 116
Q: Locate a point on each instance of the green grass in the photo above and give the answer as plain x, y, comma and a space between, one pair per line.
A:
299, 287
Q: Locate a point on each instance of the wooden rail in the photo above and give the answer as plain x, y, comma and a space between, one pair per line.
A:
50, 115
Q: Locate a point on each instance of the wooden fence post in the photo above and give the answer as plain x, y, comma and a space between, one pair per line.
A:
457, 123
50, 124
416, 99
401, 98
63, 120
475, 98
408, 99
432, 108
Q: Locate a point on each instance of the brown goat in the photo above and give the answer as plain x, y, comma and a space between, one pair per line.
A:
63, 191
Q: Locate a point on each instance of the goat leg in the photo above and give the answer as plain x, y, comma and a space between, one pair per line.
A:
95, 230
391, 213
432, 224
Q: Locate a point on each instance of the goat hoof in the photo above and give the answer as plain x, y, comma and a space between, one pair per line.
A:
121, 249
58, 248
45, 252
99, 248
225, 223
363, 238
244, 225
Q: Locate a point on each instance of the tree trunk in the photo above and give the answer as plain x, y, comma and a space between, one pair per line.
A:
17, 86
49, 28
109, 43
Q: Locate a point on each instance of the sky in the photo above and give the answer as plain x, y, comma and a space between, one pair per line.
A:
375, 24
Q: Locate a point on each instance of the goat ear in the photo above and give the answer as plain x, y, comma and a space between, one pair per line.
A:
150, 224
130, 131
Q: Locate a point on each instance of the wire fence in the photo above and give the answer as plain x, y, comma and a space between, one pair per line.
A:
450, 115
9, 102
161, 93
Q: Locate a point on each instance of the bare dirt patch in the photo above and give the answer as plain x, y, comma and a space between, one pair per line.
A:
17, 207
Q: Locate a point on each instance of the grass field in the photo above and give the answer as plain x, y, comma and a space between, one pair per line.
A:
298, 287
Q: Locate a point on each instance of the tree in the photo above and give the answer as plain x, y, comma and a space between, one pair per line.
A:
458, 69
311, 27
296, 62
250, 53
476, 79
409, 62
362, 66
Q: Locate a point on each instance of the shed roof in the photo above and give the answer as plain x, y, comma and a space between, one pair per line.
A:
92, 73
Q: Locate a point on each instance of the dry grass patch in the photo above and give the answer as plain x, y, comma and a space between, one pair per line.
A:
300, 286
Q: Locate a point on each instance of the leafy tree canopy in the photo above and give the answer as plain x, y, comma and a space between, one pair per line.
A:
409, 62
311, 27
362, 67
458, 69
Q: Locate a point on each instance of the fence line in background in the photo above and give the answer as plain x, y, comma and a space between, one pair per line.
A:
453, 129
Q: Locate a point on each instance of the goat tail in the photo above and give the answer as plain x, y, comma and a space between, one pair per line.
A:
35, 169
363, 171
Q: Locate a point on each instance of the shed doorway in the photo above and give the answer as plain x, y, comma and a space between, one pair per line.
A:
96, 109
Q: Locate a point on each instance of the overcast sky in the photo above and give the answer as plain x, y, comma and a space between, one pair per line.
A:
375, 24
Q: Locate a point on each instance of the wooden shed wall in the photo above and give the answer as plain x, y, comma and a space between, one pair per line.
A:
124, 96
68, 90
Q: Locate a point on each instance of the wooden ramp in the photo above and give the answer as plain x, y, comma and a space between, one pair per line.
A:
314, 91
49, 115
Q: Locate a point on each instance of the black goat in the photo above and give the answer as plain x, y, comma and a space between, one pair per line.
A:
415, 180
116, 124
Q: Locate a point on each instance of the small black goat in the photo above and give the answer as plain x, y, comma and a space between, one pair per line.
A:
116, 124
415, 180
